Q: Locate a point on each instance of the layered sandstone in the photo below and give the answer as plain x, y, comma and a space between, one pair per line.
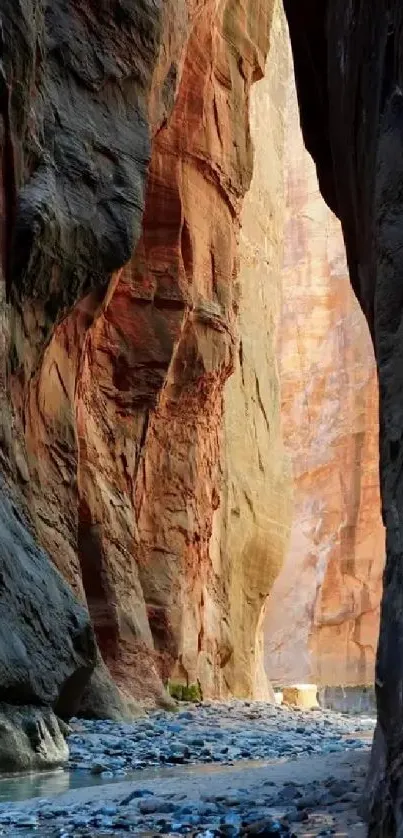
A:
76, 86
131, 155
323, 615
150, 406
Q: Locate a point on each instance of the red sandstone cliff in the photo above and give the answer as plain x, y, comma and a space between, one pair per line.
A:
139, 392
118, 365
323, 615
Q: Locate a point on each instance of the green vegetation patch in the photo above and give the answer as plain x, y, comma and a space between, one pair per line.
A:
185, 692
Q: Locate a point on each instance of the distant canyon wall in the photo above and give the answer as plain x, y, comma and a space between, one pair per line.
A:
323, 614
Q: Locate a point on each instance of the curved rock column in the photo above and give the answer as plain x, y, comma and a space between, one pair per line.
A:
251, 526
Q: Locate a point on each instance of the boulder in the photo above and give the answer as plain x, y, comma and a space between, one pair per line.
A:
31, 738
47, 646
102, 699
304, 696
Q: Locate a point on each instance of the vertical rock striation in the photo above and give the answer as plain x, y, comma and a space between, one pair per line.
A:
349, 67
331, 580
150, 405
251, 527
76, 84
127, 153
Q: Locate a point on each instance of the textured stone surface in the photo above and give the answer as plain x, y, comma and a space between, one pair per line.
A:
332, 577
349, 67
251, 527
155, 368
119, 329
301, 695
30, 739
47, 648
74, 143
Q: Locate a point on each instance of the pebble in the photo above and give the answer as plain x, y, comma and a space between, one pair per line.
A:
212, 732
209, 733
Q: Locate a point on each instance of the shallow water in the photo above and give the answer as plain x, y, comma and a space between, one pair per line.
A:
18, 787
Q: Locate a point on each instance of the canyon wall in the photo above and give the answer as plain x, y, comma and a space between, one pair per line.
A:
323, 616
126, 156
349, 74
251, 528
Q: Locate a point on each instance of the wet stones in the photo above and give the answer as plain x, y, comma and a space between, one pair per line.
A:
109, 750
212, 733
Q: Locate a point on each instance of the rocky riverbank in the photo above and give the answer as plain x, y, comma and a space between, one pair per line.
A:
240, 769
212, 733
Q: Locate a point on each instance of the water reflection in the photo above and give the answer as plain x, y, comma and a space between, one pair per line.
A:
22, 786
47, 784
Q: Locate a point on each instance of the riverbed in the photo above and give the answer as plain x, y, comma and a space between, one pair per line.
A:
157, 775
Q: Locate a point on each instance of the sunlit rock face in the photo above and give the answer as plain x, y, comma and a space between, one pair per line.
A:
251, 527
323, 616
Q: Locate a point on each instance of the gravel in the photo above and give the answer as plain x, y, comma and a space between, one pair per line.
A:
206, 734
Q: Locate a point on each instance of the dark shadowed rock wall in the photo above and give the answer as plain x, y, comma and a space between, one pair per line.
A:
349, 70
75, 86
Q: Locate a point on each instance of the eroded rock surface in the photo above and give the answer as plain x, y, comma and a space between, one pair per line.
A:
349, 68
251, 526
332, 578
30, 739
127, 153
149, 408
74, 140
47, 648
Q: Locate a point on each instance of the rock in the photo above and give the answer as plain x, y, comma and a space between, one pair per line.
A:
339, 788
309, 801
72, 205
30, 739
155, 804
267, 827
251, 524
119, 322
47, 648
360, 699
102, 699
126, 156
301, 695
121, 748
184, 808
355, 137
98, 768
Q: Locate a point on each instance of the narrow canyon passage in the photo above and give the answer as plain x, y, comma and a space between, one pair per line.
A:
191, 549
